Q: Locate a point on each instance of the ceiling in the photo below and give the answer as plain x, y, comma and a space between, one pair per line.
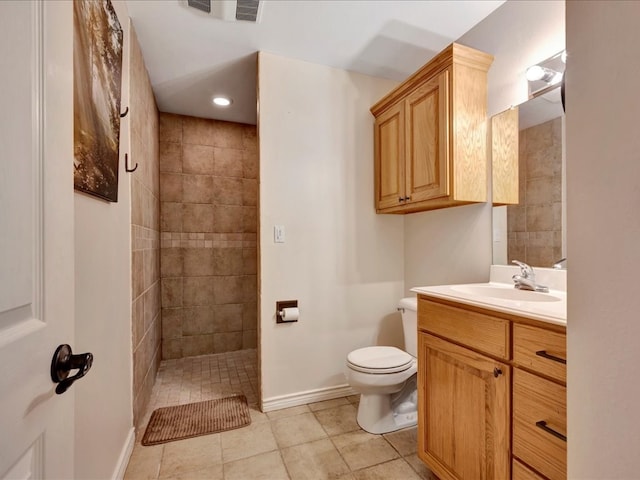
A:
192, 56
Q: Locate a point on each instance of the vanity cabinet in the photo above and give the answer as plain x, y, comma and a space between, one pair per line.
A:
491, 393
540, 400
463, 393
430, 135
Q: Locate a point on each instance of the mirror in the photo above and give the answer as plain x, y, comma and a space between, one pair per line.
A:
534, 230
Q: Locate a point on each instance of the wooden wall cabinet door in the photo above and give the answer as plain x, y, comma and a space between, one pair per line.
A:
427, 140
464, 412
389, 157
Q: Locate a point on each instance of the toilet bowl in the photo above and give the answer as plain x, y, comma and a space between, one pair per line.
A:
385, 377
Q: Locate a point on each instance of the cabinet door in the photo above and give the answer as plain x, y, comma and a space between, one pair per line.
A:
463, 412
427, 140
389, 157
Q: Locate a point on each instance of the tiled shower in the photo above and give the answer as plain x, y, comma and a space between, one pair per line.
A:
208, 225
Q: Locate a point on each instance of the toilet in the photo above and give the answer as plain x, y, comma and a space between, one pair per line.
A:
385, 377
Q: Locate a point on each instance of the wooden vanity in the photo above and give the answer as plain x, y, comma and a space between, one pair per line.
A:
491, 393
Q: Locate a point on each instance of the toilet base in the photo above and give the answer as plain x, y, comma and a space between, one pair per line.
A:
384, 413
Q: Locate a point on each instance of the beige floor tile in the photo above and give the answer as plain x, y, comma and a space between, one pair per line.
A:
361, 449
404, 441
317, 460
420, 468
144, 463
247, 442
257, 416
338, 420
213, 472
266, 466
288, 412
298, 429
336, 402
396, 469
190, 455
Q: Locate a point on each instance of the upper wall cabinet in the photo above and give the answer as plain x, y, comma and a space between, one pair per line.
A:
430, 135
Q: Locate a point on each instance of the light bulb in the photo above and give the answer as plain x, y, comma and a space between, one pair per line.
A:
222, 101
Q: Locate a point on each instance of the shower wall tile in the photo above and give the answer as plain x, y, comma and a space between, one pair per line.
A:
535, 225
197, 189
227, 261
197, 159
198, 262
208, 261
250, 167
170, 157
171, 186
228, 289
171, 261
228, 219
197, 217
172, 319
152, 157
249, 192
197, 131
227, 162
228, 135
198, 320
171, 127
227, 191
198, 291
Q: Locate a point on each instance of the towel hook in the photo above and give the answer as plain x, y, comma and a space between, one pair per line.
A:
124, 114
126, 164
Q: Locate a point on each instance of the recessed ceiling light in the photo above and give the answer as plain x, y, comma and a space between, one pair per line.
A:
222, 101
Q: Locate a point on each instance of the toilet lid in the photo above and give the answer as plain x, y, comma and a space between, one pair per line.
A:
379, 360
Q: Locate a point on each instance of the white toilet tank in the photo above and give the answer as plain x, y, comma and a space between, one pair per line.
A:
409, 308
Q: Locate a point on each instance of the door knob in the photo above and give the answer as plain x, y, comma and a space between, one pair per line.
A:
63, 362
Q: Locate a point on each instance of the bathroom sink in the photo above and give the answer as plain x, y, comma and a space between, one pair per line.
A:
505, 293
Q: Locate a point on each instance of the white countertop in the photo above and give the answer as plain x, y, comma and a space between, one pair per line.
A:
554, 311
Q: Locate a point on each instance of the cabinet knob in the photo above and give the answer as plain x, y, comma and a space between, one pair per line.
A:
400, 199
407, 198
497, 372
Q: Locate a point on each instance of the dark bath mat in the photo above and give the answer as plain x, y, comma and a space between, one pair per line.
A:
194, 419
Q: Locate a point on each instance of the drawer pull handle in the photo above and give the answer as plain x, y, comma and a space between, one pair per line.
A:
543, 353
543, 425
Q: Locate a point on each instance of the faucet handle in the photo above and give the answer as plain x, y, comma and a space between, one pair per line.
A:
525, 270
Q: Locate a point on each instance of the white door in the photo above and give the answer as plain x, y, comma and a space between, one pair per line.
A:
36, 236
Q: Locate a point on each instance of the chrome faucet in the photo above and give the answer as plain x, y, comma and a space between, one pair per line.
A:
561, 264
527, 279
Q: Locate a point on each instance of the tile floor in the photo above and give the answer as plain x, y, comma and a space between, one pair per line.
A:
316, 441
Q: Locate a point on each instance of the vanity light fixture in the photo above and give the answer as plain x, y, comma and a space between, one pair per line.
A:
546, 75
543, 74
222, 101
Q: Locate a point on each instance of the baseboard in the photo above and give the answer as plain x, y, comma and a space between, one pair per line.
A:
123, 461
309, 396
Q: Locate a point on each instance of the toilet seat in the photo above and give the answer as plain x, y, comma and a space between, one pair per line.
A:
379, 360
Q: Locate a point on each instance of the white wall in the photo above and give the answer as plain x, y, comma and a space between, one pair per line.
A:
603, 196
454, 245
341, 261
103, 402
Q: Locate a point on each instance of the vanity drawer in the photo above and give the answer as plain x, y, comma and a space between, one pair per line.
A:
539, 410
475, 330
521, 472
540, 350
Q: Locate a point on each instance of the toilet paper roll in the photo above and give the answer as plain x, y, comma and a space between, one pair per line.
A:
290, 314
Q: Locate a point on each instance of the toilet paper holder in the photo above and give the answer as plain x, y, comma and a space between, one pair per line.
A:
285, 304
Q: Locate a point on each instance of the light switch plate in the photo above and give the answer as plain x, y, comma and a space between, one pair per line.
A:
278, 233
